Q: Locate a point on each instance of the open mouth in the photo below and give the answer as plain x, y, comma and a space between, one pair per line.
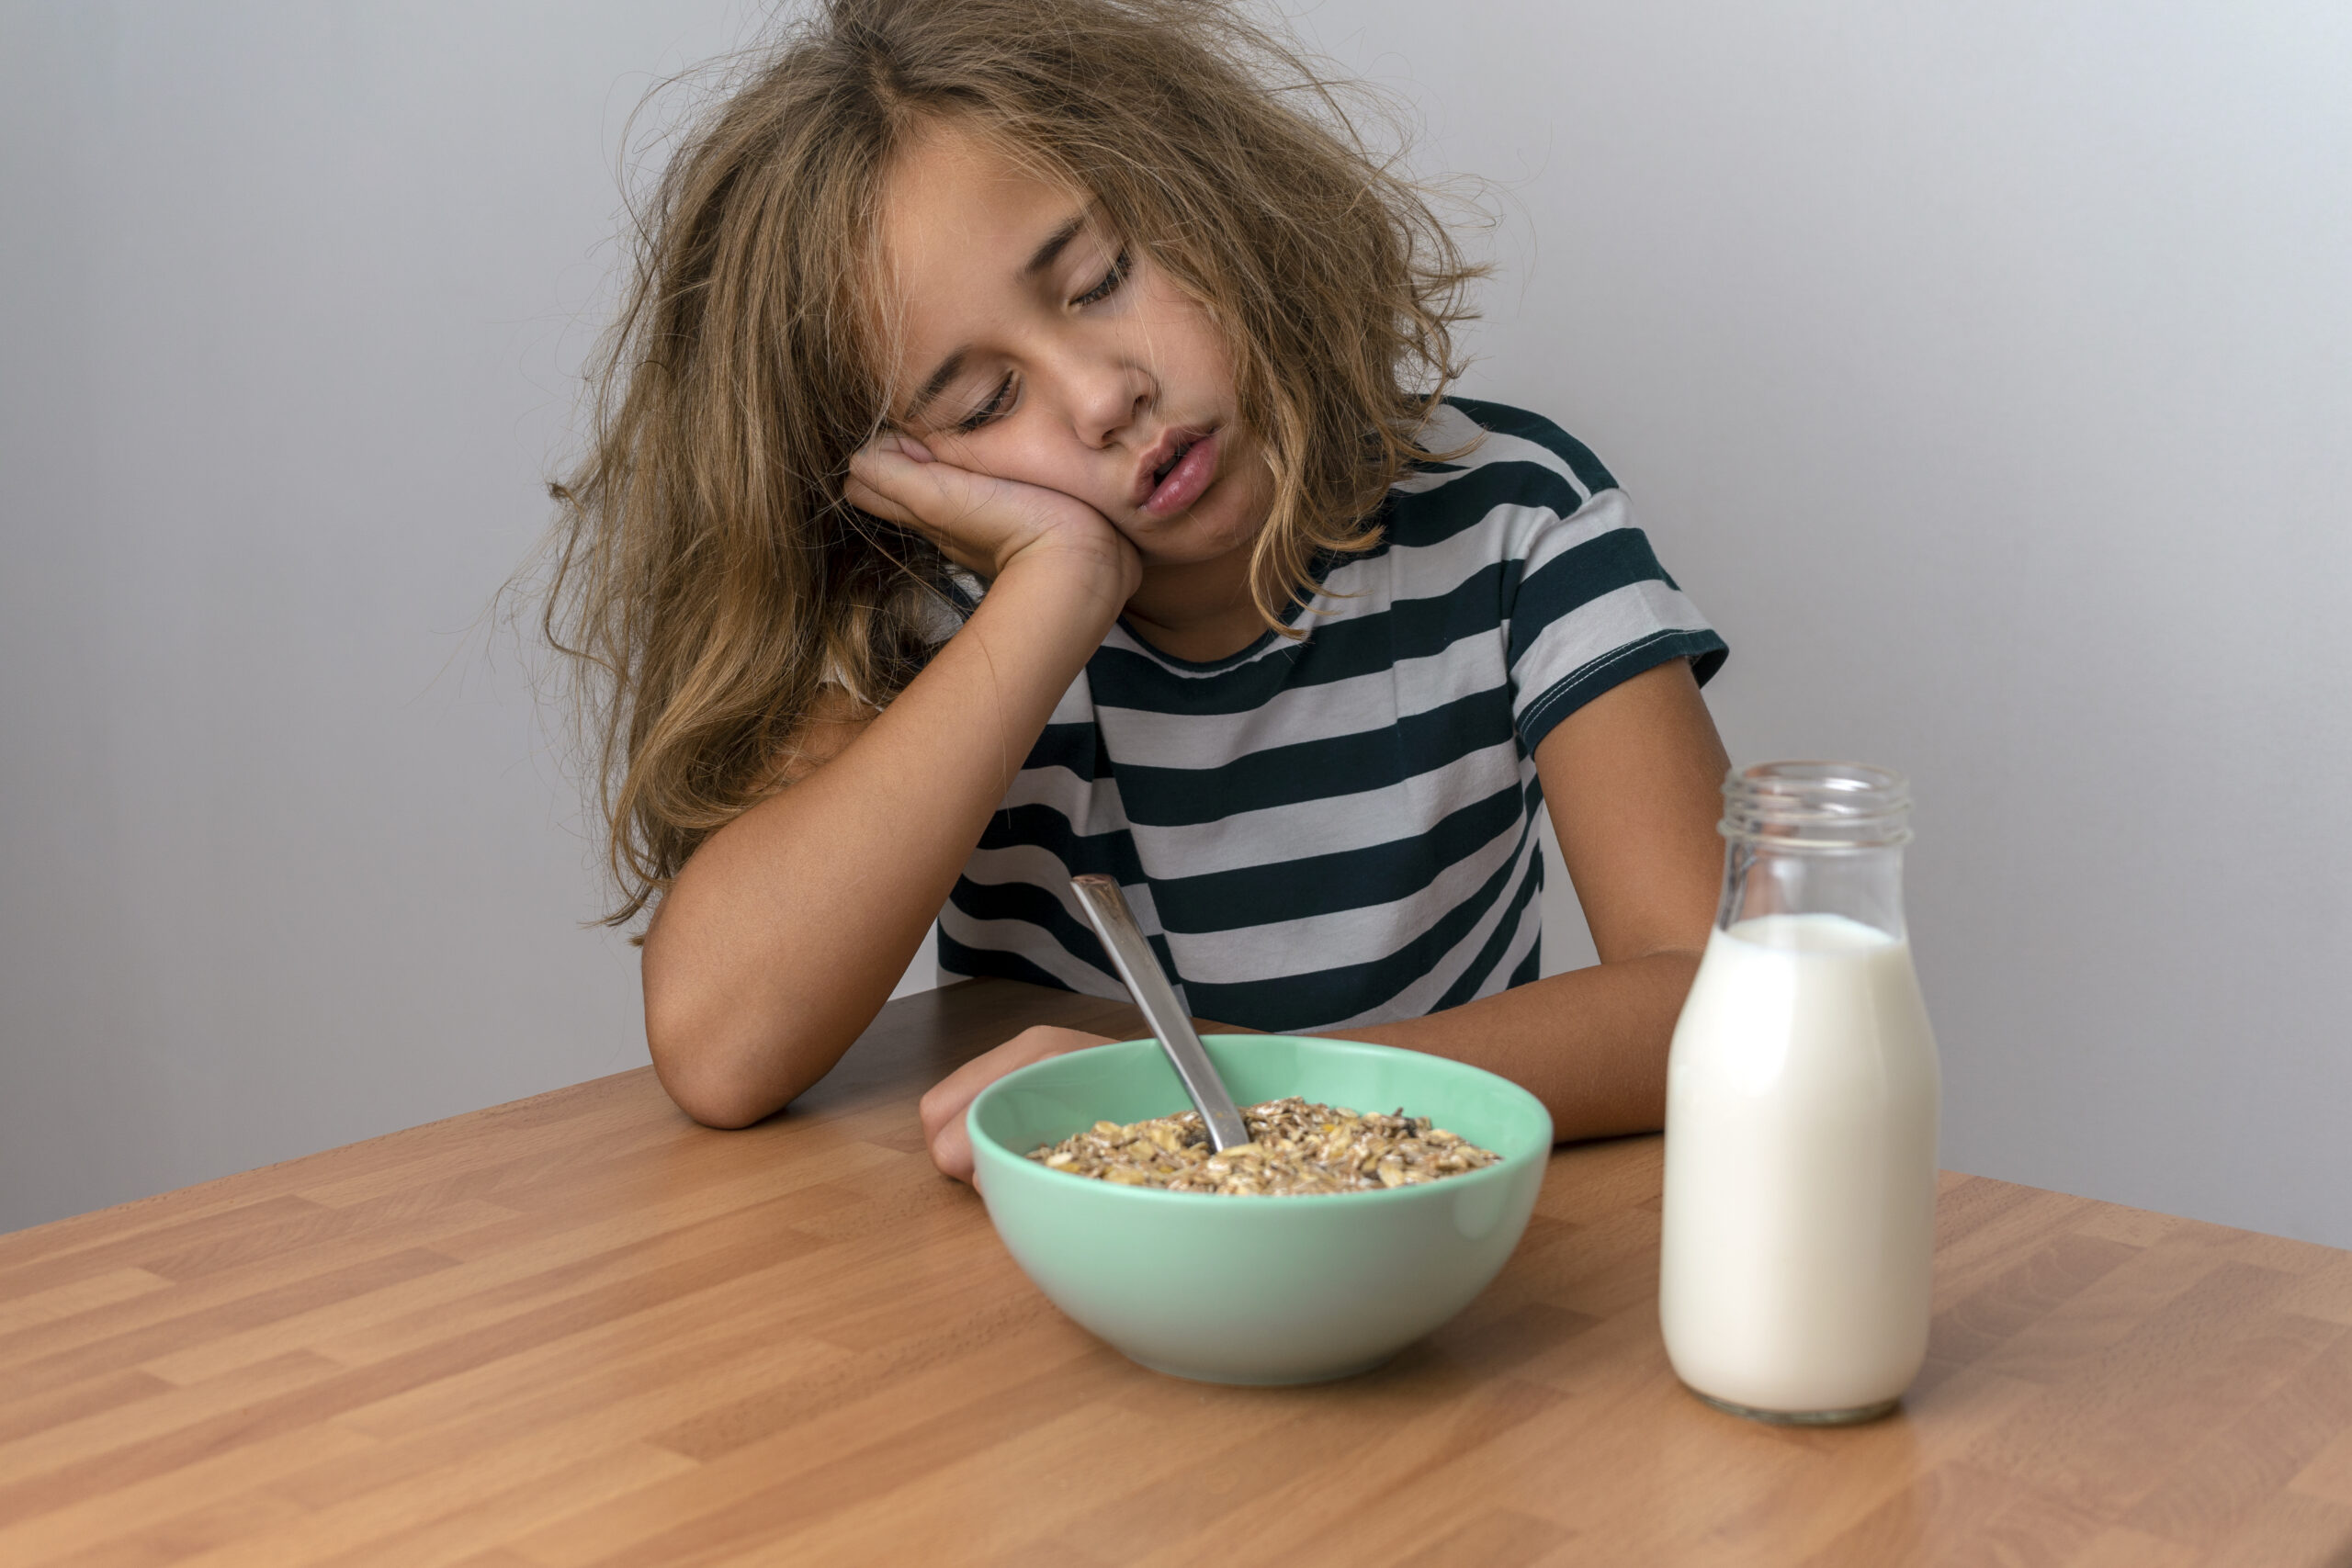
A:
1180, 480
1159, 474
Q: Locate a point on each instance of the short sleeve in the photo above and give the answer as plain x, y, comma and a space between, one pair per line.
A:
1593, 607
946, 611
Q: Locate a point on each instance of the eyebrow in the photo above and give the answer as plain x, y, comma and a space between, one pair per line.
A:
949, 368
1039, 260
1055, 242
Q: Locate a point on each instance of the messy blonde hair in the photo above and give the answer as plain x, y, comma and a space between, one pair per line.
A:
707, 577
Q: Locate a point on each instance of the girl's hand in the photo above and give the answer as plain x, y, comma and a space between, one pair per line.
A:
944, 1107
985, 524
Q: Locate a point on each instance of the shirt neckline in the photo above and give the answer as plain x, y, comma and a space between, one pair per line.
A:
1317, 569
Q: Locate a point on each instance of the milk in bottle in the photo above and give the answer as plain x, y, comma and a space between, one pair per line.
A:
1802, 1098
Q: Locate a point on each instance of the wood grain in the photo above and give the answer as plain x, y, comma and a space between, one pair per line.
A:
580, 1332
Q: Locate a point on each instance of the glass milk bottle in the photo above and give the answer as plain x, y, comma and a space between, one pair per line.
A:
1801, 1109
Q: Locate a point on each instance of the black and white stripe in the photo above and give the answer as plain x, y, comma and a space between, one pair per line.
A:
1338, 829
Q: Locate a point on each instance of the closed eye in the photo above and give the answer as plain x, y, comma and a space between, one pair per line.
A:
997, 405
992, 408
1109, 285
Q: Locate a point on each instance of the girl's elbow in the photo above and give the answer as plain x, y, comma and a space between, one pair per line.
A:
718, 1106
711, 1079
728, 1064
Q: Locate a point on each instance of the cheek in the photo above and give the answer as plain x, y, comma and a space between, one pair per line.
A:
1193, 339
1173, 332
1253, 498
1190, 357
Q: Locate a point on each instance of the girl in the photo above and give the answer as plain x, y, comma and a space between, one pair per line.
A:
1022, 455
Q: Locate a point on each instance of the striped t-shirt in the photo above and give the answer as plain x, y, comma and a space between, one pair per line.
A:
1340, 829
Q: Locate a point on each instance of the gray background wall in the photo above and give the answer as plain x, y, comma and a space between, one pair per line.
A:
1984, 371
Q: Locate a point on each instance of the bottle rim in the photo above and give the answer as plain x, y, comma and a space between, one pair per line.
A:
1817, 804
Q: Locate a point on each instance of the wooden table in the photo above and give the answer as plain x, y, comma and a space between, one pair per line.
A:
580, 1330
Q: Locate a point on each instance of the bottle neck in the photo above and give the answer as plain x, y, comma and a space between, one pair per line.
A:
1815, 838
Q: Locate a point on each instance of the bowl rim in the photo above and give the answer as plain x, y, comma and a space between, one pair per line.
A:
1000, 1158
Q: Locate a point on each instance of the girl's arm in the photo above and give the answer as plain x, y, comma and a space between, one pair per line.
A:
1633, 781
785, 931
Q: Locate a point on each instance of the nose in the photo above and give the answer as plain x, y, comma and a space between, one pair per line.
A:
1107, 393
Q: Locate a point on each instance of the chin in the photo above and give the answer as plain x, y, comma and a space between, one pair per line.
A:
1214, 528
1183, 547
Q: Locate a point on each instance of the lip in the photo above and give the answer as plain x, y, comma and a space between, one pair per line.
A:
1192, 475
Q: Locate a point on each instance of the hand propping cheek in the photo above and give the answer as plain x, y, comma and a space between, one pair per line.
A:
886, 481
897, 477
979, 521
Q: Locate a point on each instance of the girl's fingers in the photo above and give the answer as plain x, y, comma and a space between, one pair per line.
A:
925, 486
866, 498
962, 513
950, 1151
871, 501
942, 1110
888, 456
894, 443
917, 490
886, 480
979, 521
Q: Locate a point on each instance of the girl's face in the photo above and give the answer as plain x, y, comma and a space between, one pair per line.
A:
1033, 347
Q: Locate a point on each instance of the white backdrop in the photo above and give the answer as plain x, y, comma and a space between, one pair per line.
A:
1985, 372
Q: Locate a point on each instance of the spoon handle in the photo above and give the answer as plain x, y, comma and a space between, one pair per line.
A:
1106, 908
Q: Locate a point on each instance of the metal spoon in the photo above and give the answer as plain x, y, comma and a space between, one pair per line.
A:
1106, 908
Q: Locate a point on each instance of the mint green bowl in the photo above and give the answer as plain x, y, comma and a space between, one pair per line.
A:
1256, 1290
